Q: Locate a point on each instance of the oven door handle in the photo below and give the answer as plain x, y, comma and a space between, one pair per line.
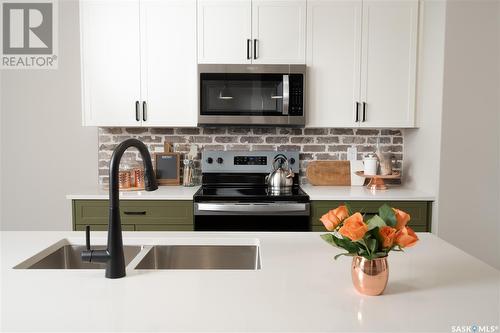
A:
252, 207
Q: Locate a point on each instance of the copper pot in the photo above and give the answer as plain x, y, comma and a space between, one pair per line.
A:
370, 276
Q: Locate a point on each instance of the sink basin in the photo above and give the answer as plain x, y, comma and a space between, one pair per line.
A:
202, 257
68, 257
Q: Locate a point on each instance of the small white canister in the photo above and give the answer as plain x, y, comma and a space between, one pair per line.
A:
370, 163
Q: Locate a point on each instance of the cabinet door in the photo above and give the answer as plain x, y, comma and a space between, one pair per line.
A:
279, 31
110, 53
168, 44
420, 211
224, 29
388, 65
333, 60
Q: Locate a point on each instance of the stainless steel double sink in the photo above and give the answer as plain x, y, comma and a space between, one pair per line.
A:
66, 255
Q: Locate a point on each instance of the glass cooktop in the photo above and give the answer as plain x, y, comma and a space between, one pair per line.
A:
249, 193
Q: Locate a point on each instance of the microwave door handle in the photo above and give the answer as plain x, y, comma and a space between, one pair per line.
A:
286, 94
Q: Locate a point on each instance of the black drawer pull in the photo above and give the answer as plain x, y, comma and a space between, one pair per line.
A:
135, 213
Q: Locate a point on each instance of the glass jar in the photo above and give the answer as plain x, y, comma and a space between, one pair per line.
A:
124, 179
188, 174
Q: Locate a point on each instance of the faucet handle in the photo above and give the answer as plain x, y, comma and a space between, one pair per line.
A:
87, 237
87, 254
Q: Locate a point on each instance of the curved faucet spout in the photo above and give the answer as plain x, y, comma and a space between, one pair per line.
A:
113, 255
150, 183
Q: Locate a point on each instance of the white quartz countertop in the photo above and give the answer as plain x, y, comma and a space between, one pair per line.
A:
300, 288
162, 193
395, 193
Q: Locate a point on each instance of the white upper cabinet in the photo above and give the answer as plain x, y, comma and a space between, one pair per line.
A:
361, 58
333, 60
224, 31
110, 51
389, 61
139, 62
251, 31
279, 31
168, 45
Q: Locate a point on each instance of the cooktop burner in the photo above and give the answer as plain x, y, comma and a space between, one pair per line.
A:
262, 193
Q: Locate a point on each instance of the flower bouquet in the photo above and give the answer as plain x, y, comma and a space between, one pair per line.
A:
368, 241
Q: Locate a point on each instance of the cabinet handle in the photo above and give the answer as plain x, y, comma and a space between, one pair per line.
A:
135, 213
144, 111
137, 117
356, 111
255, 48
249, 46
364, 112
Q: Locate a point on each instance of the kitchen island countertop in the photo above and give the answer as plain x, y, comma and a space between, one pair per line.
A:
300, 288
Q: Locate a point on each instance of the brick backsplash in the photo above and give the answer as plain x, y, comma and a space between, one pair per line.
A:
313, 143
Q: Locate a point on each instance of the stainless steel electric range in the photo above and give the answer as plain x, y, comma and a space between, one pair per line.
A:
234, 195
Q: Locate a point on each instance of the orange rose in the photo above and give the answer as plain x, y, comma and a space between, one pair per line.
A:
354, 228
387, 234
406, 237
402, 218
341, 212
333, 218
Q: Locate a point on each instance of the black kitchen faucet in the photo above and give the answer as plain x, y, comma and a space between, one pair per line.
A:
113, 255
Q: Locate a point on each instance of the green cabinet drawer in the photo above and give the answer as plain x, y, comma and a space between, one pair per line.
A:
103, 227
175, 213
420, 211
164, 227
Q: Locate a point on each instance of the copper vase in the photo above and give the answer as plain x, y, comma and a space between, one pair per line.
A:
370, 276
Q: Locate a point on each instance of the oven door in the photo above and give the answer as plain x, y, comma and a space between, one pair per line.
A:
246, 216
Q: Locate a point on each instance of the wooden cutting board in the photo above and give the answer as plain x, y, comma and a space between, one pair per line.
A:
336, 173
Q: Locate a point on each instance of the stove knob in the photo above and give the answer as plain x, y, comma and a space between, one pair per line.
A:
292, 160
210, 160
220, 160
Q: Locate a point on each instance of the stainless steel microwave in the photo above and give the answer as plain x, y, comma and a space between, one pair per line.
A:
251, 95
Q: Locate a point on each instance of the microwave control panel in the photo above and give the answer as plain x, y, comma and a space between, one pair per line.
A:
296, 106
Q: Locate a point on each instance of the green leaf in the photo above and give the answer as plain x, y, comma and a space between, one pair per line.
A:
364, 247
376, 234
349, 208
346, 244
374, 222
387, 214
329, 239
344, 254
372, 244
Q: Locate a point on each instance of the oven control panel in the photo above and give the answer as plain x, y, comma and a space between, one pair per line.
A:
245, 161
250, 160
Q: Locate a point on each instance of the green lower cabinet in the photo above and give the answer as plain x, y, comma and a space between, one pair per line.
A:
163, 227
138, 215
103, 227
177, 215
420, 211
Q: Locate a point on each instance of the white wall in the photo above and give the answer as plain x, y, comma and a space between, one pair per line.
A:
469, 213
45, 152
422, 145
